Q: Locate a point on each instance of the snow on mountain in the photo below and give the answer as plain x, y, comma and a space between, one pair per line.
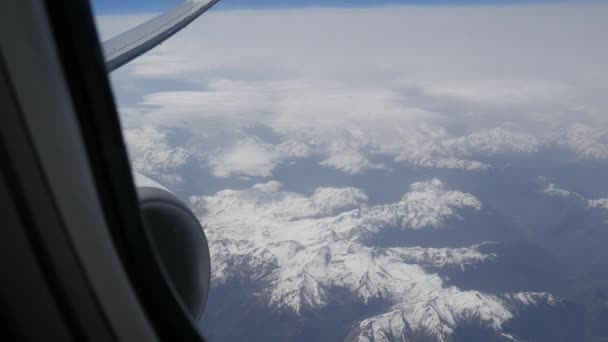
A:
460, 152
438, 317
585, 142
152, 155
598, 203
302, 247
529, 298
451, 163
439, 257
491, 142
351, 150
553, 190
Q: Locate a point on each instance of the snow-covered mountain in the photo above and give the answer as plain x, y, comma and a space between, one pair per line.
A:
302, 247
153, 156
355, 150
585, 142
597, 203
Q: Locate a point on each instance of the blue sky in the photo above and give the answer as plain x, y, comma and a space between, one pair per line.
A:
125, 7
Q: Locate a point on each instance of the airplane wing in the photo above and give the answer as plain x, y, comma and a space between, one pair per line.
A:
131, 44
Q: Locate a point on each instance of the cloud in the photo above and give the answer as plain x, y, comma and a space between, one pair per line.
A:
501, 92
350, 162
245, 159
441, 87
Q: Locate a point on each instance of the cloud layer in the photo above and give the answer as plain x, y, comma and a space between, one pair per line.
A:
443, 87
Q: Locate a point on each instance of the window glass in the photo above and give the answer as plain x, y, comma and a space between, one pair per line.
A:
384, 170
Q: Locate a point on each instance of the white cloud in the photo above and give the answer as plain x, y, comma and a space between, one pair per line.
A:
426, 86
502, 92
245, 159
349, 162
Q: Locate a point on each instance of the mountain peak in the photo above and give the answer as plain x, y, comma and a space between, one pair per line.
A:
301, 248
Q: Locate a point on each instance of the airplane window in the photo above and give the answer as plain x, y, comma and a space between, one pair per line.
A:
394, 170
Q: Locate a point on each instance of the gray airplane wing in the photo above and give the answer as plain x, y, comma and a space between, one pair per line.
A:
131, 44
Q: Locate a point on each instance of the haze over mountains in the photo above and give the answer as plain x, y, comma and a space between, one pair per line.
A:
388, 174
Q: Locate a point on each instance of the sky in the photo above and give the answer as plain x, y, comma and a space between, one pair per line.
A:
102, 7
